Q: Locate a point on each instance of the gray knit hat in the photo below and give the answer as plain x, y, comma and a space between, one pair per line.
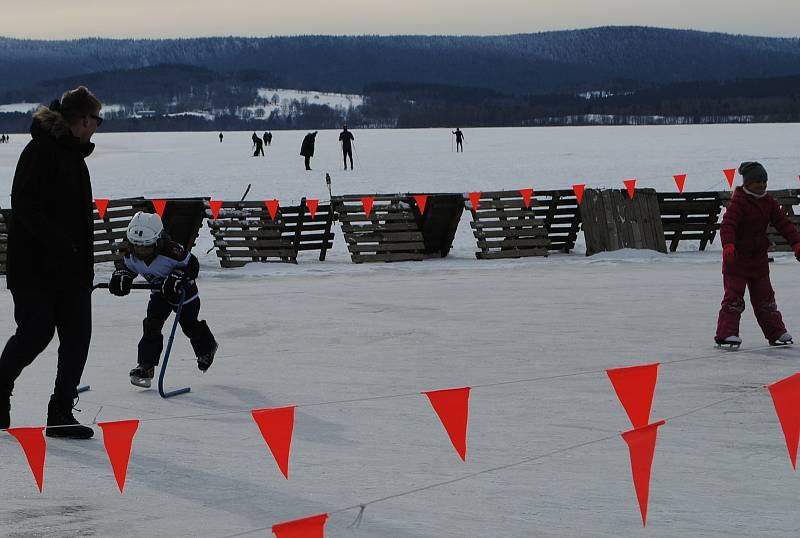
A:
752, 172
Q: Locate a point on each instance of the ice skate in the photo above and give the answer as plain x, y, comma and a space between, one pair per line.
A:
731, 343
142, 375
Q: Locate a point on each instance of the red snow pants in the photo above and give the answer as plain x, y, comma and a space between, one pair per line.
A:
762, 297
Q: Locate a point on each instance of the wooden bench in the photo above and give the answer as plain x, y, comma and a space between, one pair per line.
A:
245, 232
390, 233
689, 216
505, 228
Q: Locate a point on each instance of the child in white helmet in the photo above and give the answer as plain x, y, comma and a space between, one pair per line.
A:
167, 266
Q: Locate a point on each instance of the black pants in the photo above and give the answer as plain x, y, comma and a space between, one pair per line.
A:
152, 342
308, 162
39, 315
347, 152
459, 146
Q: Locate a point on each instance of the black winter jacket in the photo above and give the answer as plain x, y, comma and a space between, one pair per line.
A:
50, 238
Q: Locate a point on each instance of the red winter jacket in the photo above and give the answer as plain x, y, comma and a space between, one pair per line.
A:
745, 225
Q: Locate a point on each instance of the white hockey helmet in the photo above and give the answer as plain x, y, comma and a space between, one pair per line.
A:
145, 229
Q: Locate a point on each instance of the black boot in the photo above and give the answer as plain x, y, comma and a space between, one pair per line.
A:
204, 361
5, 409
61, 423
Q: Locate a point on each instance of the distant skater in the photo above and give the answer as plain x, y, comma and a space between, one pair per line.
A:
268, 138
220, 138
346, 138
264, 137
259, 148
459, 140
307, 148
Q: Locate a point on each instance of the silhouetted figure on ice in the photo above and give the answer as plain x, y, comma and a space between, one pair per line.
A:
220, 138
346, 138
307, 148
459, 140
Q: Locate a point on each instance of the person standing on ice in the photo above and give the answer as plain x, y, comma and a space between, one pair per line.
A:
346, 138
744, 257
307, 148
166, 265
259, 147
50, 255
220, 138
459, 140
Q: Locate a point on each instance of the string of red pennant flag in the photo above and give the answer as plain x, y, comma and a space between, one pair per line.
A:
633, 385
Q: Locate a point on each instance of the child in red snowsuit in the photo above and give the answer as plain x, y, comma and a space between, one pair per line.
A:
744, 257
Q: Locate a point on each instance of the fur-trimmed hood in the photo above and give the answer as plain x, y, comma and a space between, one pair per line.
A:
47, 122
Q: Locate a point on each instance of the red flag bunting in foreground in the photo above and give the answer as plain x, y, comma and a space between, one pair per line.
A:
216, 205
276, 426
452, 406
642, 446
730, 173
680, 181
367, 202
475, 199
118, 438
312, 204
635, 386
159, 206
786, 397
578, 189
102, 205
35, 447
630, 184
526, 196
272, 207
421, 200
307, 527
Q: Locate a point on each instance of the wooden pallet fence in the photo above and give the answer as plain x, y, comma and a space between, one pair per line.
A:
306, 232
505, 228
245, 233
110, 230
390, 233
689, 216
789, 199
612, 221
562, 217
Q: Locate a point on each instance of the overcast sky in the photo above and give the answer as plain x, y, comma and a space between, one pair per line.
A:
57, 19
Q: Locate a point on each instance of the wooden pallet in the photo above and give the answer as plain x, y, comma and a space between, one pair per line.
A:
689, 216
562, 217
505, 228
612, 221
245, 232
390, 233
110, 230
789, 199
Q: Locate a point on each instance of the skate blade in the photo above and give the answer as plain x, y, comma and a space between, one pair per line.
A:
728, 347
781, 344
143, 382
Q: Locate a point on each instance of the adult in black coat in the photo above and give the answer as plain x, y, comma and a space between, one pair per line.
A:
307, 148
50, 267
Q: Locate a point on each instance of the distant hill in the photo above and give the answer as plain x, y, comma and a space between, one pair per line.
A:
522, 64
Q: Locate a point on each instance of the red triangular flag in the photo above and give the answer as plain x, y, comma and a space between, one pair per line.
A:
102, 205
367, 203
272, 207
276, 427
421, 199
307, 527
118, 438
312, 205
452, 406
680, 180
159, 205
526, 196
730, 173
578, 190
475, 199
786, 397
635, 386
642, 446
35, 447
630, 184
216, 205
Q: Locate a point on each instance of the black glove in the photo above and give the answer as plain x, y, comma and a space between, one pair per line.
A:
173, 285
121, 281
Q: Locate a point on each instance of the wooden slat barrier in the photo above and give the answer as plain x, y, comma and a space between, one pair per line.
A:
562, 217
789, 199
505, 228
612, 221
689, 216
245, 232
390, 233
110, 230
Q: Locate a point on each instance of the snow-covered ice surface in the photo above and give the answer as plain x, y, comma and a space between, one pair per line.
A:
314, 333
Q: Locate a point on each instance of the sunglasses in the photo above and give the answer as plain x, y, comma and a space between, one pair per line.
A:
98, 119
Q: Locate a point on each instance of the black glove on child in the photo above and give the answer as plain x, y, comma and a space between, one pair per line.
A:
173, 285
120, 284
